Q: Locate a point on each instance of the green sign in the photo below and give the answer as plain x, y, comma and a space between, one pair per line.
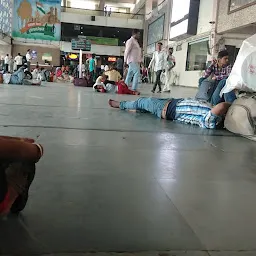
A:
81, 44
103, 40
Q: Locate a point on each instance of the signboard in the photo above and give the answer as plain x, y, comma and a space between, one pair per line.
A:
103, 40
184, 19
6, 17
111, 59
37, 19
81, 44
47, 57
156, 30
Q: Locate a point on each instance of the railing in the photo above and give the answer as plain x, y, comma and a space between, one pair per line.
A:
102, 13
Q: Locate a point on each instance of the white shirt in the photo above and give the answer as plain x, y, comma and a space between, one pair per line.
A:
132, 53
159, 59
28, 56
106, 68
6, 60
18, 60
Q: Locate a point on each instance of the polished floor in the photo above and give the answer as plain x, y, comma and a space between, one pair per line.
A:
113, 181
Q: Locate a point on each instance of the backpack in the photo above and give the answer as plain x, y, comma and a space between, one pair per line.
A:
241, 116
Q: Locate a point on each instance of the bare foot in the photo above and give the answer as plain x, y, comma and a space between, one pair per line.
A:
113, 103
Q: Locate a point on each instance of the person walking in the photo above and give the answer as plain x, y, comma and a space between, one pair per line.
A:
120, 65
18, 60
92, 68
171, 62
160, 61
28, 59
6, 62
132, 57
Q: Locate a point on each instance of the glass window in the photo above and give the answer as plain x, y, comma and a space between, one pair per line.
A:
197, 55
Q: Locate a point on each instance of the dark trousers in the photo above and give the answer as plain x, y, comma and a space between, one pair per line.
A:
6, 67
18, 66
158, 81
120, 71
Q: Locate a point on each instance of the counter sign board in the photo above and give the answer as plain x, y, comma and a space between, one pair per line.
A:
81, 44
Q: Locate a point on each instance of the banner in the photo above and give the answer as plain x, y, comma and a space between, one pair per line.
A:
6, 17
103, 40
37, 19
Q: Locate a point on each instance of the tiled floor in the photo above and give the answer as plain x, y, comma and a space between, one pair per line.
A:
113, 181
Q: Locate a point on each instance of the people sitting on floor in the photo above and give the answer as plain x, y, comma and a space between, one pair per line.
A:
104, 85
214, 80
36, 73
188, 111
19, 77
17, 171
113, 74
63, 74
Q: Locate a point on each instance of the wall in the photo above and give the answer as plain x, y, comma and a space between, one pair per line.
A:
101, 21
5, 49
186, 78
97, 49
234, 20
205, 16
55, 52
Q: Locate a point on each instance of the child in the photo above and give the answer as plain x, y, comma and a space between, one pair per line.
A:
105, 86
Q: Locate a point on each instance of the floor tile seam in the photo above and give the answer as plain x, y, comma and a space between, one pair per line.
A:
181, 215
109, 130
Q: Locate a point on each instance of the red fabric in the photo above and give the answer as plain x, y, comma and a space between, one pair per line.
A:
4, 203
123, 88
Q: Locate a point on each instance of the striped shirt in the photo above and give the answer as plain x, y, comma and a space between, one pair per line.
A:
191, 111
220, 74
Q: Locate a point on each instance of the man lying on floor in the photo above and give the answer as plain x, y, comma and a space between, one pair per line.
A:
106, 86
17, 170
189, 111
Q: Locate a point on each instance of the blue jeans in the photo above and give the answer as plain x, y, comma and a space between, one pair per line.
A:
133, 72
226, 97
153, 105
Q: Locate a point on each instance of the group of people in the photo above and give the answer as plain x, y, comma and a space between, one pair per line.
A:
10, 64
161, 62
207, 109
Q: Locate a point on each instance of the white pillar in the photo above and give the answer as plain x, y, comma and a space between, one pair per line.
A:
80, 63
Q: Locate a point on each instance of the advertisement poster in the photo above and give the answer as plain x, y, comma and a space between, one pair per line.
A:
6, 16
37, 19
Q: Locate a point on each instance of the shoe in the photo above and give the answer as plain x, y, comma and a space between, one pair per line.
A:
22, 199
152, 91
167, 91
159, 91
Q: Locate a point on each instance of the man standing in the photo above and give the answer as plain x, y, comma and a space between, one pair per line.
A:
171, 62
120, 65
92, 68
28, 59
6, 62
132, 57
160, 60
18, 61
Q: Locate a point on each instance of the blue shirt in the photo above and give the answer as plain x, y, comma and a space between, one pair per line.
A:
91, 65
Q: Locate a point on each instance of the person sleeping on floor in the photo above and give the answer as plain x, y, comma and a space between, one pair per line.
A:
188, 111
104, 85
17, 170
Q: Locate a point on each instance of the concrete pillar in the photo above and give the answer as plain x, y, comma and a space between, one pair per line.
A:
148, 7
101, 6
